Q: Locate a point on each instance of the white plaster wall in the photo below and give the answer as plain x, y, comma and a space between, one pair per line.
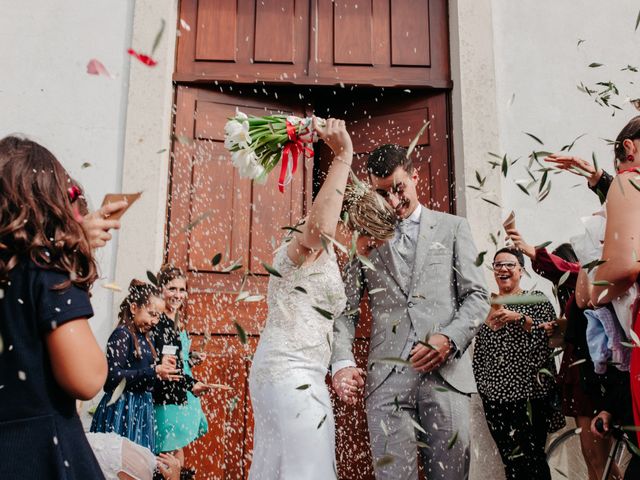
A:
475, 130
148, 143
46, 94
538, 65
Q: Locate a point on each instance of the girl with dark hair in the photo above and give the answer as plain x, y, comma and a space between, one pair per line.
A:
179, 416
48, 354
127, 405
513, 368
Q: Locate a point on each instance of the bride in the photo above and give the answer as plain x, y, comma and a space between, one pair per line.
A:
294, 425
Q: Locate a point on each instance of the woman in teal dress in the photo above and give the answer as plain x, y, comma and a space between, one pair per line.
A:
179, 416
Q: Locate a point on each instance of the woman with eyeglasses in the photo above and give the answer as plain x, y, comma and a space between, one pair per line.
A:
514, 371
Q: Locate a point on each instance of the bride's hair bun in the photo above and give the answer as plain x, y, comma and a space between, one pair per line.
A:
366, 212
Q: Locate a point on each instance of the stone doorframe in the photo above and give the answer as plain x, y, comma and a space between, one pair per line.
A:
148, 146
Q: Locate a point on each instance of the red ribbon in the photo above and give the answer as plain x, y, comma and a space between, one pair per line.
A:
294, 147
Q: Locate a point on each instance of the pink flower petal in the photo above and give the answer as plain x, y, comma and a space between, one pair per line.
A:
95, 67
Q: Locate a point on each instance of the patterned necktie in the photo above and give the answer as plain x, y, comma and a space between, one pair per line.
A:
404, 249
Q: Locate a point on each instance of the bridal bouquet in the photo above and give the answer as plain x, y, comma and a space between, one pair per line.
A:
257, 144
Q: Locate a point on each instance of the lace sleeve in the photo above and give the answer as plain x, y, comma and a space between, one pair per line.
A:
282, 263
286, 267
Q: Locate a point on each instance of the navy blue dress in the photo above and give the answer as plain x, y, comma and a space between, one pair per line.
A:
131, 414
41, 436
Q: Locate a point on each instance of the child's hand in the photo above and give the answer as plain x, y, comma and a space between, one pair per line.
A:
169, 466
200, 388
169, 361
196, 358
96, 225
165, 372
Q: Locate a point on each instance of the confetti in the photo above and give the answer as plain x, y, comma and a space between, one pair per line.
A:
156, 41
119, 390
377, 290
242, 335
271, 270
452, 441
385, 460
480, 258
414, 142
534, 137
323, 312
112, 286
185, 25
145, 59
322, 421
152, 278
253, 298
519, 299
21, 375
95, 67
216, 259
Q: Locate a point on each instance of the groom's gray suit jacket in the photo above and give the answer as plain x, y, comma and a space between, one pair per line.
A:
446, 294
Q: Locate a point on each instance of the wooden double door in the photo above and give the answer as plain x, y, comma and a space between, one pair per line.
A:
212, 214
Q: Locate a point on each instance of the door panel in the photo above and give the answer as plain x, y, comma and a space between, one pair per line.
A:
315, 42
410, 35
211, 210
243, 40
381, 42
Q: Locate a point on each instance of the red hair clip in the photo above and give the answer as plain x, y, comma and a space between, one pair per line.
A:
74, 193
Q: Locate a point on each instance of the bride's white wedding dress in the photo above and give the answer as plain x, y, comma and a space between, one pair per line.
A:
294, 426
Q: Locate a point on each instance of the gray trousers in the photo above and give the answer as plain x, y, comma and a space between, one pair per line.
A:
405, 402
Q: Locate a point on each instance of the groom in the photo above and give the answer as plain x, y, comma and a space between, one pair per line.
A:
429, 300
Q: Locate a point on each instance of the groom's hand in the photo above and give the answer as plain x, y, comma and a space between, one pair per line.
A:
428, 358
346, 382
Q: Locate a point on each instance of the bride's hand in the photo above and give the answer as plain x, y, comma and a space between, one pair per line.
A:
334, 133
346, 382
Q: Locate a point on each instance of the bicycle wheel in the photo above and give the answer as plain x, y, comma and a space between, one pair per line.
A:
564, 456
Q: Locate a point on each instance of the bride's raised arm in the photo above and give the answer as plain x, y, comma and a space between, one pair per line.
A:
325, 212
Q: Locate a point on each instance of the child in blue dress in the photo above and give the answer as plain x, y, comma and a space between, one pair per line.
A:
127, 406
179, 416
48, 354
